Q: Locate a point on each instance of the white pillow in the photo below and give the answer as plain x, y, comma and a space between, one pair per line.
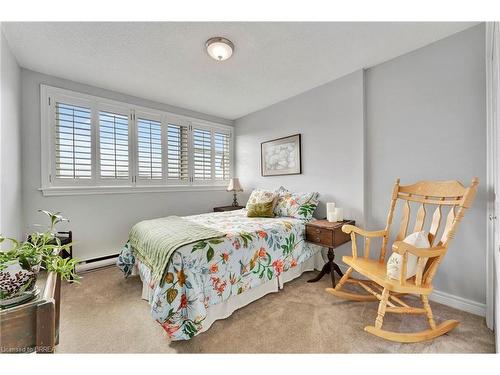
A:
417, 239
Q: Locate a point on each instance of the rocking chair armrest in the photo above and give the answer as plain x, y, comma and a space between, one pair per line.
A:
365, 233
401, 247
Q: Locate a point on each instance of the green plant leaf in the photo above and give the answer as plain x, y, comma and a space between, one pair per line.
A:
42, 249
246, 237
216, 241
307, 209
269, 273
199, 245
210, 253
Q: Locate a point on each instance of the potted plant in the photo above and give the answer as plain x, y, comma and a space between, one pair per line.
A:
19, 265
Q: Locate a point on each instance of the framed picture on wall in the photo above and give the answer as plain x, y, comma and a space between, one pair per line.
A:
281, 156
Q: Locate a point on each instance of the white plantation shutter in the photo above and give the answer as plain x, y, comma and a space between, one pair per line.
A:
202, 154
92, 144
73, 142
149, 150
222, 162
113, 146
177, 153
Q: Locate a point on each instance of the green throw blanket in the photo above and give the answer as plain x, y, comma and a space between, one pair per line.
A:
154, 241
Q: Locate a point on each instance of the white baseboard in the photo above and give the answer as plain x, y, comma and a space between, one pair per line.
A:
459, 303
451, 300
86, 266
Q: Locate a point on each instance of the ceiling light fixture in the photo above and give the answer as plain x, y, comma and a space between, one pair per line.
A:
219, 48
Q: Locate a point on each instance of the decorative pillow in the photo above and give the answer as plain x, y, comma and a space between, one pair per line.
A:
297, 205
262, 196
264, 209
417, 239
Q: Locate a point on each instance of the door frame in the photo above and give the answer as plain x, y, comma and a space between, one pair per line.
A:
493, 176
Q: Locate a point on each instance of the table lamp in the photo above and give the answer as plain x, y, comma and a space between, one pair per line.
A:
234, 186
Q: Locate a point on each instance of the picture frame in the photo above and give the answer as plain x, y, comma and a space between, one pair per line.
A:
281, 156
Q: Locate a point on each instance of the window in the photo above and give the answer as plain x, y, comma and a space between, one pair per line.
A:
113, 146
73, 152
222, 156
149, 150
202, 155
91, 144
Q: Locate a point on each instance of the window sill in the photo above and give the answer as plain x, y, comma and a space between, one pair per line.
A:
91, 190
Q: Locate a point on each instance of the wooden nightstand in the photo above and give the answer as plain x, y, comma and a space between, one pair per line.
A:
227, 208
327, 234
33, 325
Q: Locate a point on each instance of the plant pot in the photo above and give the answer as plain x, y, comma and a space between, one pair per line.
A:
16, 283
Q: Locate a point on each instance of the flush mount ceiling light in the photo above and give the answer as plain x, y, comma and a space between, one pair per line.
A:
219, 48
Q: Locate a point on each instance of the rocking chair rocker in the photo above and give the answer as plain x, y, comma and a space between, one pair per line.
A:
388, 291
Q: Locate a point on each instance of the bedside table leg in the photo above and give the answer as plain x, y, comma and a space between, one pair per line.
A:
324, 271
330, 267
331, 257
337, 269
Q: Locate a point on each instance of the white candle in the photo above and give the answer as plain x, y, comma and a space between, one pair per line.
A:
330, 212
331, 217
339, 214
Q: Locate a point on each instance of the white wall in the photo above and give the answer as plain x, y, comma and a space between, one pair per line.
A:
425, 119
330, 119
10, 144
100, 223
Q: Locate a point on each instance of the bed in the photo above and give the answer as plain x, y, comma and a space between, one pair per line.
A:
209, 279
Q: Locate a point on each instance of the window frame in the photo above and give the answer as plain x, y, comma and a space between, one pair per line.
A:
50, 185
51, 133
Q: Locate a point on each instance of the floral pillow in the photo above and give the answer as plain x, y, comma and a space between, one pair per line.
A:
261, 196
297, 205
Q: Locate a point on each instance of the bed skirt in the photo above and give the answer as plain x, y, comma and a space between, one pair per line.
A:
225, 309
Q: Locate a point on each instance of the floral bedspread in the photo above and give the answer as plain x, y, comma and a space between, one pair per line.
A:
254, 251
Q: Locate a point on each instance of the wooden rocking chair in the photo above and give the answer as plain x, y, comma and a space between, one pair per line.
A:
388, 291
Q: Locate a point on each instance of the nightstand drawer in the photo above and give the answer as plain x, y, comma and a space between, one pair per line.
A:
319, 235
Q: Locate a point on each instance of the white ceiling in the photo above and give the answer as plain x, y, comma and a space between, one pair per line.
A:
167, 62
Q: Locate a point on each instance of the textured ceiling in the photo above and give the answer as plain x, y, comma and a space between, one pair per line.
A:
167, 62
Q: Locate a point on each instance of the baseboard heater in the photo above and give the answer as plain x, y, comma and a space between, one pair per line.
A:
95, 263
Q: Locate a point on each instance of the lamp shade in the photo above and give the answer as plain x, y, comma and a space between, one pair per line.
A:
234, 185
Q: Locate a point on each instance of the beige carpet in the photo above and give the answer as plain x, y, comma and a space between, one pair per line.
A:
105, 314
